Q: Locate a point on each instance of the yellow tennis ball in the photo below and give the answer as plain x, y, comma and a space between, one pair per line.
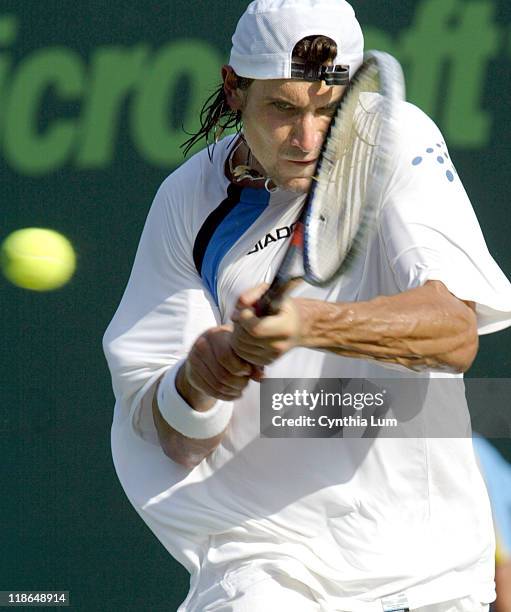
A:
38, 259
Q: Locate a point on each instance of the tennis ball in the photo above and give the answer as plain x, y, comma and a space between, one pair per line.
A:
38, 259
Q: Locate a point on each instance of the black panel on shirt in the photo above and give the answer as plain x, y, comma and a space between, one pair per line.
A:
212, 222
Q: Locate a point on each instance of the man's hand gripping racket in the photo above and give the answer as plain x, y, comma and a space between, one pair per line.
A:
340, 211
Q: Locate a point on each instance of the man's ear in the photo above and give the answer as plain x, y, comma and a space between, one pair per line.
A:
233, 94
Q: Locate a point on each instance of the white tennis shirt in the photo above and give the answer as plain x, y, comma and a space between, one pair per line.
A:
354, 519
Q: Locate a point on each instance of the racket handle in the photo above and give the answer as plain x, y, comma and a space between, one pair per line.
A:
269, 303
266, 306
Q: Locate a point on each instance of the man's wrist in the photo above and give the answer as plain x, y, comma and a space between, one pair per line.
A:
194, 397
178, 412
313, 314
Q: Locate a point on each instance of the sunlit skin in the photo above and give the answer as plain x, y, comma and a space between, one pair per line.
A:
284, 123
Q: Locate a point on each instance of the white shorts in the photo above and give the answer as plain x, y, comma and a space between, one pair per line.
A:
263, 593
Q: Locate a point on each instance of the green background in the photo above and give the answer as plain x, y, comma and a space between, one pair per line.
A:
92, 98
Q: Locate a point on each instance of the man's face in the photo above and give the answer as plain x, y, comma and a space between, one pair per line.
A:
284, 123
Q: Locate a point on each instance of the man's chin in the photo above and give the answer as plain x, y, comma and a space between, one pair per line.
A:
296, 185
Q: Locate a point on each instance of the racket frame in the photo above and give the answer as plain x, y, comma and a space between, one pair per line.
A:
391, 89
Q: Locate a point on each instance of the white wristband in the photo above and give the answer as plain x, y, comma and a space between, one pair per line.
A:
183, 418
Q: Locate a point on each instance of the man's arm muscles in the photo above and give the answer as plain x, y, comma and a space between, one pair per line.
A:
423, 328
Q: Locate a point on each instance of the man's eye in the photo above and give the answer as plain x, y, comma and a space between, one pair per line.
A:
282, 106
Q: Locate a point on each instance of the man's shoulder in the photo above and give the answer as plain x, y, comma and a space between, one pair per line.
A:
193, 190
415, 137
413, 120
410, 124
414, 129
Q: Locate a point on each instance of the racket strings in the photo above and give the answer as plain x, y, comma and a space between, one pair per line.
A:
342, 180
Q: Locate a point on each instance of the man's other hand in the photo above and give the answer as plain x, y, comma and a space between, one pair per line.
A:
214, 369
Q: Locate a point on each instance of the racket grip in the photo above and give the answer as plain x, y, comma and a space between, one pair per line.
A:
269, 303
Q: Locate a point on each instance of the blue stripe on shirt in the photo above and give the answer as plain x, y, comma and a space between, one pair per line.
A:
251, 205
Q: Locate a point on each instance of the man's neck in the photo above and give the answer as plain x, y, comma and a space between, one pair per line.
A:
240, 163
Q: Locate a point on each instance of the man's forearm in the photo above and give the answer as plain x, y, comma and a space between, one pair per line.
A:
186, 451
424, 328
212, 371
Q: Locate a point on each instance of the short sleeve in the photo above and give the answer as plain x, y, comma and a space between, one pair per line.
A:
163, 310
429, 229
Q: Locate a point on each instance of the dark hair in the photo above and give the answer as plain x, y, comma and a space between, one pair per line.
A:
216, 115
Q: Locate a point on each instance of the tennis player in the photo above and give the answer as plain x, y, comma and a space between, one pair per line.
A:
338, 524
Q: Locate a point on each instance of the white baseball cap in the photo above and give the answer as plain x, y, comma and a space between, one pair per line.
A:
268, 31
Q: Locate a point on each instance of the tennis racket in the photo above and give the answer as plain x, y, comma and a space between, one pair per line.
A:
341, 207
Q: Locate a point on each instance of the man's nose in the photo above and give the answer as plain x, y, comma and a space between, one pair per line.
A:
308, 133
